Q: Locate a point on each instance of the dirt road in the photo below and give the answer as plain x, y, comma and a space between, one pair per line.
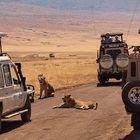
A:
109, 122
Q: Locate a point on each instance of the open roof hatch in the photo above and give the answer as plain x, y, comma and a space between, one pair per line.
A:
1, 35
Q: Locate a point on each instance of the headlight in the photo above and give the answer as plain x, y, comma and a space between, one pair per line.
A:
122, 60
106, 61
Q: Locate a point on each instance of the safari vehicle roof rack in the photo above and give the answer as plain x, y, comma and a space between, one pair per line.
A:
5, 54
112, 34
135, 48
1, 36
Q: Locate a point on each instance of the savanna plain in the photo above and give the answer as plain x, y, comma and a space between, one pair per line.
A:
35, 31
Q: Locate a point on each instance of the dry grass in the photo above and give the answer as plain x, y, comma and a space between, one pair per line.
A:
73, 38
63, 71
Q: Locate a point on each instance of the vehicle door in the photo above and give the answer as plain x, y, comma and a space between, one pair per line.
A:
17, 87
7, 91
2, 90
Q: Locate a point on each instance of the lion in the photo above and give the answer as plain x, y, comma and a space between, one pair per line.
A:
70, 102
45, 87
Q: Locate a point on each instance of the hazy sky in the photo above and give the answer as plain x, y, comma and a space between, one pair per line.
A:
101, 5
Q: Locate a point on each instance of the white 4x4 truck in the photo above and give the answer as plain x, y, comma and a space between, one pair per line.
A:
112, 58
131, 87
14, 93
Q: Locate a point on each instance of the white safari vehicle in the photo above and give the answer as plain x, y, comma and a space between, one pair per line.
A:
131, 87
112, 58
14, 93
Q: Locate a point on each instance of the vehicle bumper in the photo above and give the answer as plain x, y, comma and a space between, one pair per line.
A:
112, 74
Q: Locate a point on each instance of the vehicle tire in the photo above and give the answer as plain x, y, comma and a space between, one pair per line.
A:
0, 122
107, 79
1, 109
101, 79
26, 116
118, 78
135, 121
131, 96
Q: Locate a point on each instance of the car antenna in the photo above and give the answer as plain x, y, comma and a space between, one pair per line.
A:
1, 35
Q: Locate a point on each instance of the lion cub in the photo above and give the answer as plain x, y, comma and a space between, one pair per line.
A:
70, 102
45, 86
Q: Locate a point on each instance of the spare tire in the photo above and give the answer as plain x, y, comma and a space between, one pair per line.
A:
131, 96
135, 121
106, 61
122, 60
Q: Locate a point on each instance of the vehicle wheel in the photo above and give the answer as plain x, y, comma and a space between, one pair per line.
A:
118, 78
131, 96
0, 122
101, 79
26, 117
107, 79
135, 121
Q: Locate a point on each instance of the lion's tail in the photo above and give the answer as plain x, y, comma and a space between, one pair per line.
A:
96, 106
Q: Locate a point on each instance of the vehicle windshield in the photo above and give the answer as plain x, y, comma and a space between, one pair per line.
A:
111, 39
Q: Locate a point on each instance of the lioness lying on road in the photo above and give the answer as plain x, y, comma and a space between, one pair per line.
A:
70, 102
45, 86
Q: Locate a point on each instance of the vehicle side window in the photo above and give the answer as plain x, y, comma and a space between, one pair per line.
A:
7, 75
15, 77
1, 78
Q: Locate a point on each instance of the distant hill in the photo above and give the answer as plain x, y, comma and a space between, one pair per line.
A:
99, 5
47, 18
119, 14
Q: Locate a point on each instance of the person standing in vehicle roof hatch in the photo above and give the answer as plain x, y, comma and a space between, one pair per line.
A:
107, 38
117, 39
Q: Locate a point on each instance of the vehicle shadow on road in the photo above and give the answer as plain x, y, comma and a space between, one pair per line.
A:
134, 135
109, 84
10, 125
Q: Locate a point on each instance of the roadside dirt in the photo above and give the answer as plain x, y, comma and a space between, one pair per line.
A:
109, 122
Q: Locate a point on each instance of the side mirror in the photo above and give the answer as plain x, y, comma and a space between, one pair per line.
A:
97, 60
24, 79
24, 83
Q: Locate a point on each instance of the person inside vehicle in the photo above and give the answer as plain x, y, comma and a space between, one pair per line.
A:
117, 39
103, 40
108, 39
